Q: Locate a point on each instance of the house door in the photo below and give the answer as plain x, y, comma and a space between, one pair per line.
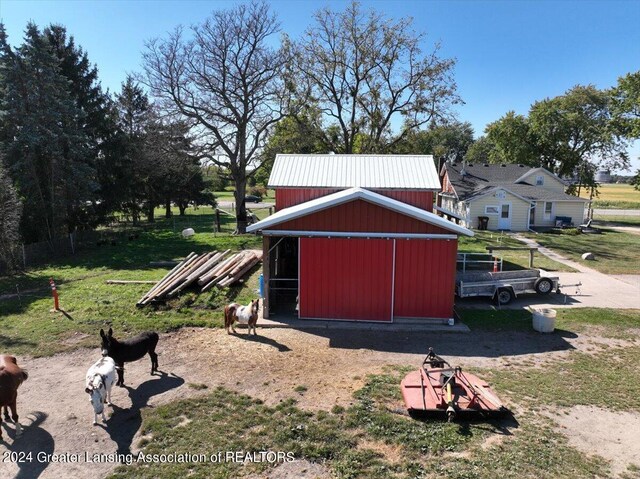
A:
504, 221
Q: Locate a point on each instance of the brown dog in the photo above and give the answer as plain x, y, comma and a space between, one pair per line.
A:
243, 314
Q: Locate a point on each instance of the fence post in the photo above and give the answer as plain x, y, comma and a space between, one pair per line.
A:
73, 251
218, 220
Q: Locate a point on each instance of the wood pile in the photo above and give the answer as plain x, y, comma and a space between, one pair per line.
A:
207, 270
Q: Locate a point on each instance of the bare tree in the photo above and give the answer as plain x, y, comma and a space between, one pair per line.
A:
225, 80
365, 70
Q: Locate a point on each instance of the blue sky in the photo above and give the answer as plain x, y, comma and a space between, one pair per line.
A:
509, 53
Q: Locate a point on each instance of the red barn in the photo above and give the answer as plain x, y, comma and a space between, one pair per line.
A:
354, 238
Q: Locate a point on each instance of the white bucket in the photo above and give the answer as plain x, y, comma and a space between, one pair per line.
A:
188, 233
544, 320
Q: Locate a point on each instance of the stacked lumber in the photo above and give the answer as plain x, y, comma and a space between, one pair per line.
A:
207, 270
231, 270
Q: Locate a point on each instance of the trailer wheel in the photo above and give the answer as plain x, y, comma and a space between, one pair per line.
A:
504, 296
543, 286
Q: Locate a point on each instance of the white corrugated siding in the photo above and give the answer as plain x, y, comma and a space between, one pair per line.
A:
412, 172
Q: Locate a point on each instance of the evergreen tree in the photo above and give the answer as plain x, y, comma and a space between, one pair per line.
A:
98, 122
133, 117
10, 211
45, 146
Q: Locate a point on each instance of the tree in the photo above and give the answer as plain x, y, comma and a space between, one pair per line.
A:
227, 83
298, 134
635, 181
177, 175
574, 135
43, 139
626, 105
10, 212
445, 142
133, 118
512, 140
98, 124
482, 151
364, 71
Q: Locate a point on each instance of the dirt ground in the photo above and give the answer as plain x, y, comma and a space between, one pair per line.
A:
332, 364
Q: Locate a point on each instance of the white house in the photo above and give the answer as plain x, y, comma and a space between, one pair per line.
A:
512, 197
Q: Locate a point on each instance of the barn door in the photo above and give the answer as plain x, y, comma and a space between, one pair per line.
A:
346, 279
424, 281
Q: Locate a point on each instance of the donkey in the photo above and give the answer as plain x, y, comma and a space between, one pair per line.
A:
243, 314
130, 350
11, 377
100, 379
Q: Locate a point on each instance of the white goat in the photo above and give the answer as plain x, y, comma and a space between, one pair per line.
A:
100, 379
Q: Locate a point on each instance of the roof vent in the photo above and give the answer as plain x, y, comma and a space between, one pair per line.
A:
520, 165
332, 152
486, 165
470, 166
463, 172
503, 165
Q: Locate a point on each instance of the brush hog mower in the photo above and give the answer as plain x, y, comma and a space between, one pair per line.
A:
439, 388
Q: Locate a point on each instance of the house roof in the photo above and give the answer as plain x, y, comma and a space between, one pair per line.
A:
403, 172
351, 194
526, 192
480, 180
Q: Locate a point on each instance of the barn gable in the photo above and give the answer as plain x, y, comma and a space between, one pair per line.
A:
357, 210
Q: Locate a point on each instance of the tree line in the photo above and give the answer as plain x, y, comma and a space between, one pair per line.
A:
72, 155
234, 90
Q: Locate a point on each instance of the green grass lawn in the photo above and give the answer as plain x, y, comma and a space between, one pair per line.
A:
616, 252
615, 196
625, 220
373, 438
28, 327
615, 323
512, 259
227, 195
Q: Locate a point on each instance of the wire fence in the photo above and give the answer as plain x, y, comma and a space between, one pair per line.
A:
120, 228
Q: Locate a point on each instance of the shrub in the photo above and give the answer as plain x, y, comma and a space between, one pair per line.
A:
260, 191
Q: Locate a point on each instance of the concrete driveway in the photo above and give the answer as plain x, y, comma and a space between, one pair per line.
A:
596, 290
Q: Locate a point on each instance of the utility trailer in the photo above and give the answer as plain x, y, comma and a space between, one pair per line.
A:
504, 286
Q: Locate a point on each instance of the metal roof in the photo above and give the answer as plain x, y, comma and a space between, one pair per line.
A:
352, 194
405, 172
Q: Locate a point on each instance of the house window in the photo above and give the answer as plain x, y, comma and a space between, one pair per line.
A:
539, 180
548, 210
491, 210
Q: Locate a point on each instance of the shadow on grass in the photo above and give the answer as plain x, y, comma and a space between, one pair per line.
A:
501, 423
7, 343
124, 423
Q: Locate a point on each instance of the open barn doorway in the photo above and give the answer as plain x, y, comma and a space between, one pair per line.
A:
283, 276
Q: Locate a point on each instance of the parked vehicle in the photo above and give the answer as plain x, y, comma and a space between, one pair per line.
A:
504, 286
253, 199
